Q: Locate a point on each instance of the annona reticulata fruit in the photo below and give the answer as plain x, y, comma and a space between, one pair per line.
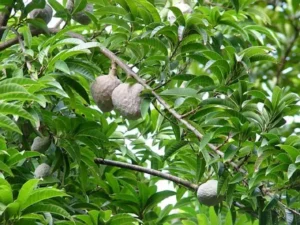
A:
80, 17
44, 14
126, 99
207, 193
43, 170
102, 89
40, 144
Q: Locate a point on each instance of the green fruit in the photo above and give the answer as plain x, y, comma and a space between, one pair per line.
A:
81, 17
102, 89
43, 170
126, 99
44, 14
207, 193
40, 144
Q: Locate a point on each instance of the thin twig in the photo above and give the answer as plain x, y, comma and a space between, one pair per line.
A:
191, 112
157, 173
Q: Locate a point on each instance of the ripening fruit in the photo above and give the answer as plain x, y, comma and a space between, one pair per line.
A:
43, 170
126, 99
207, 193
81, 17
102, 89
40, 144
44, 14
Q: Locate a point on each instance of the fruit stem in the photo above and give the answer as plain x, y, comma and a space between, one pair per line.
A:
157, 173
113, 68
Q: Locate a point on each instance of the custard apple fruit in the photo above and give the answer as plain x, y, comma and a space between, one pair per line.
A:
207, 193
43, 170
102, 89
40, 144
44, 14
126, 99
81, 17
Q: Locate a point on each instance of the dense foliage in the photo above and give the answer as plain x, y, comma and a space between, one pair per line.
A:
220, 102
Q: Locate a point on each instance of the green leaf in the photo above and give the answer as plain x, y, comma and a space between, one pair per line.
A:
113, 183
236, 5
5, 168
66, 80
263, 30
174, 147
292, 151
6, 196
213, 216
202, 219
54, 209
42, 194
178, 14
153, 11
122, 218
7, 123
115, 21
26, 191
13, 109
62, 66
155, 43
182, 92
157, 198
111, 10
291, 170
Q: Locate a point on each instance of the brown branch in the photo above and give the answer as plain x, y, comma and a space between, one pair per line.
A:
4, 17
286, 54
193, 129
129, 71
157, 173
173, 112
191, 112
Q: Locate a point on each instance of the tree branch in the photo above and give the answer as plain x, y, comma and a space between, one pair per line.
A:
130, 72
4, 17
174, 113
157, 173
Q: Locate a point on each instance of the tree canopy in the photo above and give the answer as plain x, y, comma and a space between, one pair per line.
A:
204, 90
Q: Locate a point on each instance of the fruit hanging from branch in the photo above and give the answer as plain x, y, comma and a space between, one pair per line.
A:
45, 14
207, 193
43, 170
102, 88
40, 144
80, 17
126, 100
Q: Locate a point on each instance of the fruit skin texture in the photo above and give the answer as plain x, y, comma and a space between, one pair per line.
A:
207, 193
40, 144
43, 170
81, 17
44, 14
102, 89
127, 101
